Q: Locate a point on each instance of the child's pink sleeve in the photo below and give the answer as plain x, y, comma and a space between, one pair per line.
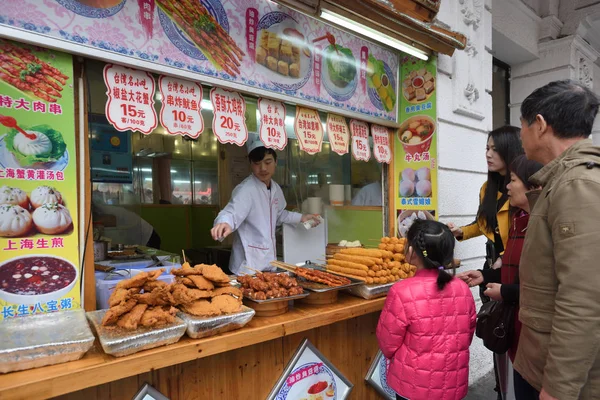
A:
392, 325
473, 316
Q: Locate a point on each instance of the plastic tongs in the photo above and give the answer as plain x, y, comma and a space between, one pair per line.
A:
156, 262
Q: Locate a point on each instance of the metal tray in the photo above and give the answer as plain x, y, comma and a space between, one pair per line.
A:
296, 297
45, 339
120, 342
369, 292
201, 327
320, 287
115, 255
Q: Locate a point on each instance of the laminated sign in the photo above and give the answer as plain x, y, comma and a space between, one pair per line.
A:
180, 113
381, 143
339, 135
229, 121
309, 130
272, 124
360, 140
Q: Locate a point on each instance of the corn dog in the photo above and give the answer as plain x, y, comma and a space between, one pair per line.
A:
368, 261
348, 264
351, 271
363, 252
365, 279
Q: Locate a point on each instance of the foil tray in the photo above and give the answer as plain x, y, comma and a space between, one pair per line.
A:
369, 292
119, 342
44, 339
201, 327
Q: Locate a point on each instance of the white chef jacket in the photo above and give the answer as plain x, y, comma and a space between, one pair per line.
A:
253, 213
370, 195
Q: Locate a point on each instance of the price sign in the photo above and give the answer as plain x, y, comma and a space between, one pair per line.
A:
339, 136
309, 130
272, 124
381, 143
130, 104
229, 120
360, 140
180, 113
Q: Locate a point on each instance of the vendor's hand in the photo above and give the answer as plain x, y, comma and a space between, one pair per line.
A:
456, 231
220, 231
497, 264
493, 291
472, 278
545, 396
309, 217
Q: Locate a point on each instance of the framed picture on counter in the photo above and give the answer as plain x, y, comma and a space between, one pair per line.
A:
377, 377
147, 392
309, 375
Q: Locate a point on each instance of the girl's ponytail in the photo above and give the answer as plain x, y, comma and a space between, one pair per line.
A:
443, 278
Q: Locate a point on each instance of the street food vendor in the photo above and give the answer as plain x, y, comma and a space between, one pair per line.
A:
256, 208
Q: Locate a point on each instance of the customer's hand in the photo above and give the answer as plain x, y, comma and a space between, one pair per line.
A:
456, 231
472, 278
220, 231
493, 291
545, 396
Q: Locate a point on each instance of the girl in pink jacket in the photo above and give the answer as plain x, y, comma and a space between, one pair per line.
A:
428, 321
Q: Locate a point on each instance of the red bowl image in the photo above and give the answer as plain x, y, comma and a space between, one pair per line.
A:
416, 133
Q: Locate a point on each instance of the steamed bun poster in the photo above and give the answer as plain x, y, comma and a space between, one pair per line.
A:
415, 147
39, 253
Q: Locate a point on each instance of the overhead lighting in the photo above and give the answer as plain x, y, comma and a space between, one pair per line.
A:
372, 34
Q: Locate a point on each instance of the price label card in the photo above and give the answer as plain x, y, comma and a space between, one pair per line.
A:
130, 104
339, 135
229, 120
309, 130
360, 140
180, 113
381, 143
272, 124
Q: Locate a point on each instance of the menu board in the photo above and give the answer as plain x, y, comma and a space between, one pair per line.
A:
377, 376
39, 259
415, 147
256, 43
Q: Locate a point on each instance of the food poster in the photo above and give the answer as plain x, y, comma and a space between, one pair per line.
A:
415, 147
39, 260
256, 43
377, 376
311, 376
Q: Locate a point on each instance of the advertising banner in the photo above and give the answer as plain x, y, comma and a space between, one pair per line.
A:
39, 259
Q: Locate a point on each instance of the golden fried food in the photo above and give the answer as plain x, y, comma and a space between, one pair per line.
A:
202, 308
227, 304
201, 282
214, 273
121, 295
350, 271
368, 261
185, 281
131, 319
363, 252
113, 313
151, 285
232, 290
158, 297
348, 264
183, 295
222, 284
158, 316
140, 279
187, 270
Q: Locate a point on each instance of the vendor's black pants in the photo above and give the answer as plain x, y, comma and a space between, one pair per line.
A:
523, 390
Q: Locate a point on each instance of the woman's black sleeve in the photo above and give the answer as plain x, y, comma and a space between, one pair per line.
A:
491, 275
510, 292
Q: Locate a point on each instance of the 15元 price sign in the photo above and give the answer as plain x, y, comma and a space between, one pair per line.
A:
309, 130
360, 140
381, 143
180, 113
229, 120
339, 136
130, 104
272, 124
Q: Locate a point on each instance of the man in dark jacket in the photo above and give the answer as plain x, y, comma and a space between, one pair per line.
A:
559, 346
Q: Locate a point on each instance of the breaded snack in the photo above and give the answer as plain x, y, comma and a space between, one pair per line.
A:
214, 273
202, 308
227, 304
113, 313
201, 282
158, 316
131, 319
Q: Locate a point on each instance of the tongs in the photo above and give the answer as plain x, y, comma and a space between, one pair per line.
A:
156, 262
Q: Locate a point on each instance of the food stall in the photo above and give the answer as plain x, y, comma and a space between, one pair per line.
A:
124, 122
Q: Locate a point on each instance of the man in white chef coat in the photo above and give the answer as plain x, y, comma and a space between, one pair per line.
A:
256, 208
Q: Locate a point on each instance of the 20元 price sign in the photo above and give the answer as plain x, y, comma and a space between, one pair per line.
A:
130, 104
309, 130
381, 143
272, 124
360, 140
339, 136
229, 120
180, 113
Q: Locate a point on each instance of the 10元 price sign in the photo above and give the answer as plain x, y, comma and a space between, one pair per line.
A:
381, 144
272, 124
180, 113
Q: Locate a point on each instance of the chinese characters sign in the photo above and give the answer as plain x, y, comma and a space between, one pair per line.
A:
360, 140
381, 143
229, 120
180, 113
337, 130
272, 124
39, 242
309, 130
130, 104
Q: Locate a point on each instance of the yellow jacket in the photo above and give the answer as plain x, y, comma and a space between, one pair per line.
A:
477, 228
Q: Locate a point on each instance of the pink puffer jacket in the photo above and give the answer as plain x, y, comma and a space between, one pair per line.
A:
426, 334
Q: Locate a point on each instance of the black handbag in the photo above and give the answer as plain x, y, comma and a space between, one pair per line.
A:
495, 325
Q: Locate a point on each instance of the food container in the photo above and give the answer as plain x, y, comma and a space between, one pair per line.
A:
201, 327
272, 307
44, 339
425, 144
369, 292
100, 250
120, 342
319, 293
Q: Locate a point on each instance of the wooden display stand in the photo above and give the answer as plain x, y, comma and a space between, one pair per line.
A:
270, 309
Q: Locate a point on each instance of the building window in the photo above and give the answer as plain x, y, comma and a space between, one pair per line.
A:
500, 93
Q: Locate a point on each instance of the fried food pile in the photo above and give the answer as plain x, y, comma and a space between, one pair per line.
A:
269, 285
205, 291
374, 266
321, 277
131, 308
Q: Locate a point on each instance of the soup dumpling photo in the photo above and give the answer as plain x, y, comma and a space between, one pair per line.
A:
15, 196
33, 147
45, 194
52, 218
15, 221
